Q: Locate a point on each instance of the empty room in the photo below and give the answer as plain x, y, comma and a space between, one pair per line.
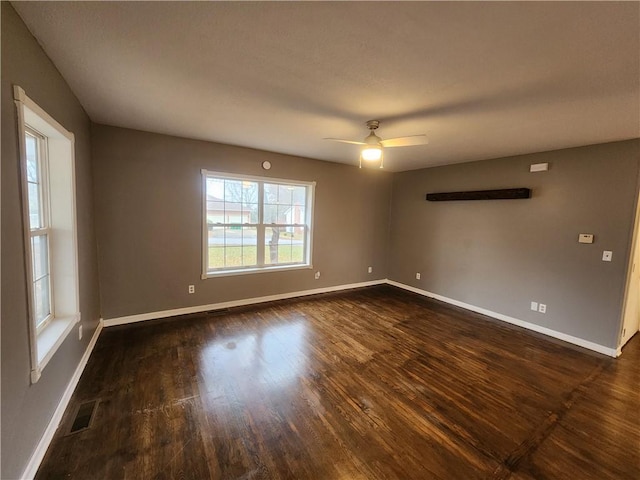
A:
320, 240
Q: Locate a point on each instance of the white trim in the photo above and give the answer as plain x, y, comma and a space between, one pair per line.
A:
20, 96
111, 322
271, 268
255, 178
624, 314
51, 337
60, 213
612, 352
47, 436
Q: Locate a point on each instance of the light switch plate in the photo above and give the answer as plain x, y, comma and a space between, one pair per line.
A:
585, 238
607, 255
539, 167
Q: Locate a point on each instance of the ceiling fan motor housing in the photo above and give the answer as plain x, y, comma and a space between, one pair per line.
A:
372, 138
373, 124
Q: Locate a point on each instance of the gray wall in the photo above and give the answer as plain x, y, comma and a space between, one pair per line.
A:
149, 217
27, 409
501, 255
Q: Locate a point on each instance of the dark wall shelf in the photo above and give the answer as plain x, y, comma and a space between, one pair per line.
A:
504, 194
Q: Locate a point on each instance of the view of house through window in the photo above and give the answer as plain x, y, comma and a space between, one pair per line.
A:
254, 223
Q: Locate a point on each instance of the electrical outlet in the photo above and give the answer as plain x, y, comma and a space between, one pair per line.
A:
417, 276
607, 255
370, 270
192, 289
542, 308
534, 306
80, 332
317, 275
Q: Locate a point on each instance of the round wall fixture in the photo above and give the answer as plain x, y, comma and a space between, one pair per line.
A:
266, 164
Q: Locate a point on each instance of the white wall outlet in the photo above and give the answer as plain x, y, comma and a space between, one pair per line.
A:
585, 238
370, 270
534, 306
317, 275
542, 308
607, 255
192, 289
80, 332
417, 276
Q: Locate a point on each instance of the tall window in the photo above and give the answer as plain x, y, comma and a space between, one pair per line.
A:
38, 199
255, 224
48, 205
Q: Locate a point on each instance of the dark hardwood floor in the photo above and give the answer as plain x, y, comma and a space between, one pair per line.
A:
375, 383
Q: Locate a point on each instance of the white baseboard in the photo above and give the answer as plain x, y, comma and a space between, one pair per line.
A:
612, 352
111, 322
47, 436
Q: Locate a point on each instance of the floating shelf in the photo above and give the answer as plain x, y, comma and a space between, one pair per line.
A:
504, 194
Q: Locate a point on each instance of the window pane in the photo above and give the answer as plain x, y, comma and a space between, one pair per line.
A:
299, 195
41, 297
284, 194
40, 255
270, 193
233, 212
215, 212
232, 246
282, 246
35, 214
249, 192
215, 189
233, 190
284, 214
216, 246
249, 246
32, 158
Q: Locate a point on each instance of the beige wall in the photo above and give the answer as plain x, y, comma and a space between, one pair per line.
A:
27, 409
500, 255
149, 211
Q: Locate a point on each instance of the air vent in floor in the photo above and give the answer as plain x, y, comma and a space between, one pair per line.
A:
84, 416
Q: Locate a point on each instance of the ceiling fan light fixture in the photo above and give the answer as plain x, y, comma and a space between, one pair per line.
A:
371, 153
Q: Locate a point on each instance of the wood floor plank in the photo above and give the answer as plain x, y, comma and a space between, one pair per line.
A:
374, 383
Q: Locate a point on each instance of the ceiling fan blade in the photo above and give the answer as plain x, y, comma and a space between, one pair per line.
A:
405, 141
344, 141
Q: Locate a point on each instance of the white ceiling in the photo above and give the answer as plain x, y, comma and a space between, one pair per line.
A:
482, 80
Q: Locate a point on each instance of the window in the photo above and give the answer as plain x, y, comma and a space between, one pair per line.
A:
38, 201
255, 224
48, 205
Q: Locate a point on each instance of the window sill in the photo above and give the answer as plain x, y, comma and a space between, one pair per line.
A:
50, 339
247, 271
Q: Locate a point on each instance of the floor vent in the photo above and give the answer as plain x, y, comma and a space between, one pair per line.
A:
84, 416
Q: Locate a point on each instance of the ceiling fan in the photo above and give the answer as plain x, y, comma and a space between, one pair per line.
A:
373, 144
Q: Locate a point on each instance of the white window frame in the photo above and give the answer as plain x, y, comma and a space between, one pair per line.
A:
60, 219
260, 226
